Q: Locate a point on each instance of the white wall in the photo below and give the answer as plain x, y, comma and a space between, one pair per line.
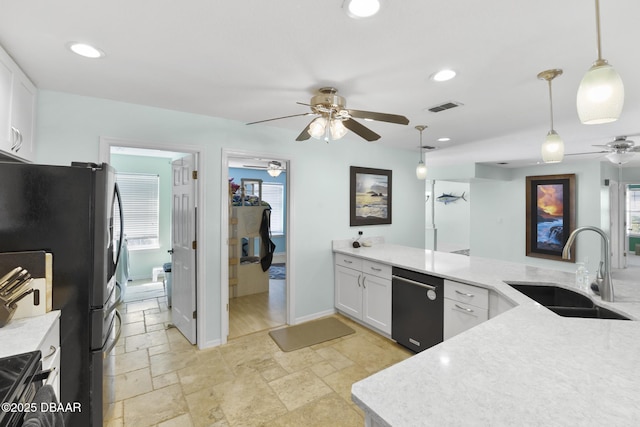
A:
452, 220
69, 128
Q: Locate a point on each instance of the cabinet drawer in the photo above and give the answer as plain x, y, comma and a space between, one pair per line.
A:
349, 261
376, 269
458, 317
468, 294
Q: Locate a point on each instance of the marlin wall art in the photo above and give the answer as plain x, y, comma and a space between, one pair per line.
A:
450, 198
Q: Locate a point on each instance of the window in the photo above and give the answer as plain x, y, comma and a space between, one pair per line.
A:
141, 211
633, 209
273, 193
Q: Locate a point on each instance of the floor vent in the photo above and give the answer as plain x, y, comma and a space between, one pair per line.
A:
445, 106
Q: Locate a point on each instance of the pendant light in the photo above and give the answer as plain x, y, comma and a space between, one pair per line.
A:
552, 147
601, 92
421, 169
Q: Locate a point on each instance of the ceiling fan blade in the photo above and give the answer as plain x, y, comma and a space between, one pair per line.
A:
380, 117
360, 130
278, 118
634, 149
588, 152
304, 135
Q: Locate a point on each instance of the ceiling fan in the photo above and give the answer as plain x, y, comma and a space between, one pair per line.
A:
334, 119
618, 151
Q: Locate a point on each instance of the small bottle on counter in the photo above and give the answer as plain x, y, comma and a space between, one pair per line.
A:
581, 275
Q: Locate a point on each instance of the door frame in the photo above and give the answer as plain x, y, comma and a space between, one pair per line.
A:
224, 234
105, 156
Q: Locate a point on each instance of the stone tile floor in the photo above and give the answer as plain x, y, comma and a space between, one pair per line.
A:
162, 380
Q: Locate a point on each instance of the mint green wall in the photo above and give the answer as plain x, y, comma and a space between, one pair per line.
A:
142, 261
69, 128
498, 219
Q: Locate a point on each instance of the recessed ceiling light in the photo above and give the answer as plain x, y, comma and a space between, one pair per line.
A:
444, 139
443, 75
85, 50
361, 8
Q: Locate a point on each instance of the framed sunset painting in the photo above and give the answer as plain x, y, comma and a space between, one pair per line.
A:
550, 215
370, 201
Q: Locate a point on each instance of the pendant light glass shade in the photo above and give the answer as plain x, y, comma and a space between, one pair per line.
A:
600, 95
421, 170
552, 148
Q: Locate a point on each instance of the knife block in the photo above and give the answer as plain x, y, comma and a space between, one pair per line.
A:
39, 265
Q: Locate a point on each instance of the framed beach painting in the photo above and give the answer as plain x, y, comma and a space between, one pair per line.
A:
550, 215
370, 201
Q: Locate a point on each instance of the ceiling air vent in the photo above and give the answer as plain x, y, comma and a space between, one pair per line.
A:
445, 106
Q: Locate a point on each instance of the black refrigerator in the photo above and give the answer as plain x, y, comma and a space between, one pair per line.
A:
69, 211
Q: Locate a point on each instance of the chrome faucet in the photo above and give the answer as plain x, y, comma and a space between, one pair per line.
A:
603, 277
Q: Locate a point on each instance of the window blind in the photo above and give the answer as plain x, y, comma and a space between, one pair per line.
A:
273, 193
141, 209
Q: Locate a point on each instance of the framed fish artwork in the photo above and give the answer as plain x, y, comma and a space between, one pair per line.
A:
550, 215
370, 201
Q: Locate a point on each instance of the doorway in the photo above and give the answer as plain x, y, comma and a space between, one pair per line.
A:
150, 268
258, 294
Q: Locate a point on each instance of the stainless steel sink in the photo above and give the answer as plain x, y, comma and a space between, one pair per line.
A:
565, 302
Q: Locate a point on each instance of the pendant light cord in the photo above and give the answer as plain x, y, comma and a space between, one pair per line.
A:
598, 31
550, 105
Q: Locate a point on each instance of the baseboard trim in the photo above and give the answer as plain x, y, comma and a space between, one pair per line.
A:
314, 316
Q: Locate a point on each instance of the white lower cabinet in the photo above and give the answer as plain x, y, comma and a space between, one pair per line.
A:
363, 291
465, 306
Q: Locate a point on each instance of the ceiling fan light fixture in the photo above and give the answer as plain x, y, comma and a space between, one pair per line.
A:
552, 148
619, 157
600, 95
317, 126
359, 9
274, 169
337, 129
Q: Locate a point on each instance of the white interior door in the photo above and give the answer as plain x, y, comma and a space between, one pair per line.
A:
183, 258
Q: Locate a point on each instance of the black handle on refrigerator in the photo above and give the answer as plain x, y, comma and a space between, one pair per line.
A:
121, 239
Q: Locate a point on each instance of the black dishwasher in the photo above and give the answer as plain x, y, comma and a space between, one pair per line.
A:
417, 308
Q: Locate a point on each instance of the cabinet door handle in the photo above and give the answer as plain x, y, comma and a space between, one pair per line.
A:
376, 269
465, 294
468, 310
363, 279
359, 276
14, 138
346, 261
52, 351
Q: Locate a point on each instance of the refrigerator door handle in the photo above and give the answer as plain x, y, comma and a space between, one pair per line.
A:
121, 239
113, 343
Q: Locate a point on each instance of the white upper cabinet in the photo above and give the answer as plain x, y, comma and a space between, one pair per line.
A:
17, 110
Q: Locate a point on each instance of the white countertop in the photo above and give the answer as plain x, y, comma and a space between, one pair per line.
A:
26, 334
527, 366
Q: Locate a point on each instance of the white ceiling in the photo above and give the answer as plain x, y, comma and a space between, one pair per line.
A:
249, 60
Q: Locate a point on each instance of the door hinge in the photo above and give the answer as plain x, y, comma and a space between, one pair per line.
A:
194, 174
195, 314
227, 306
194, 245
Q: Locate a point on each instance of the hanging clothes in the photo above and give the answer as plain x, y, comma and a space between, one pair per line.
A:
265, 237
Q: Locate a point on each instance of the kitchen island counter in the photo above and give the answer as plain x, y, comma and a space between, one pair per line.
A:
527, 366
